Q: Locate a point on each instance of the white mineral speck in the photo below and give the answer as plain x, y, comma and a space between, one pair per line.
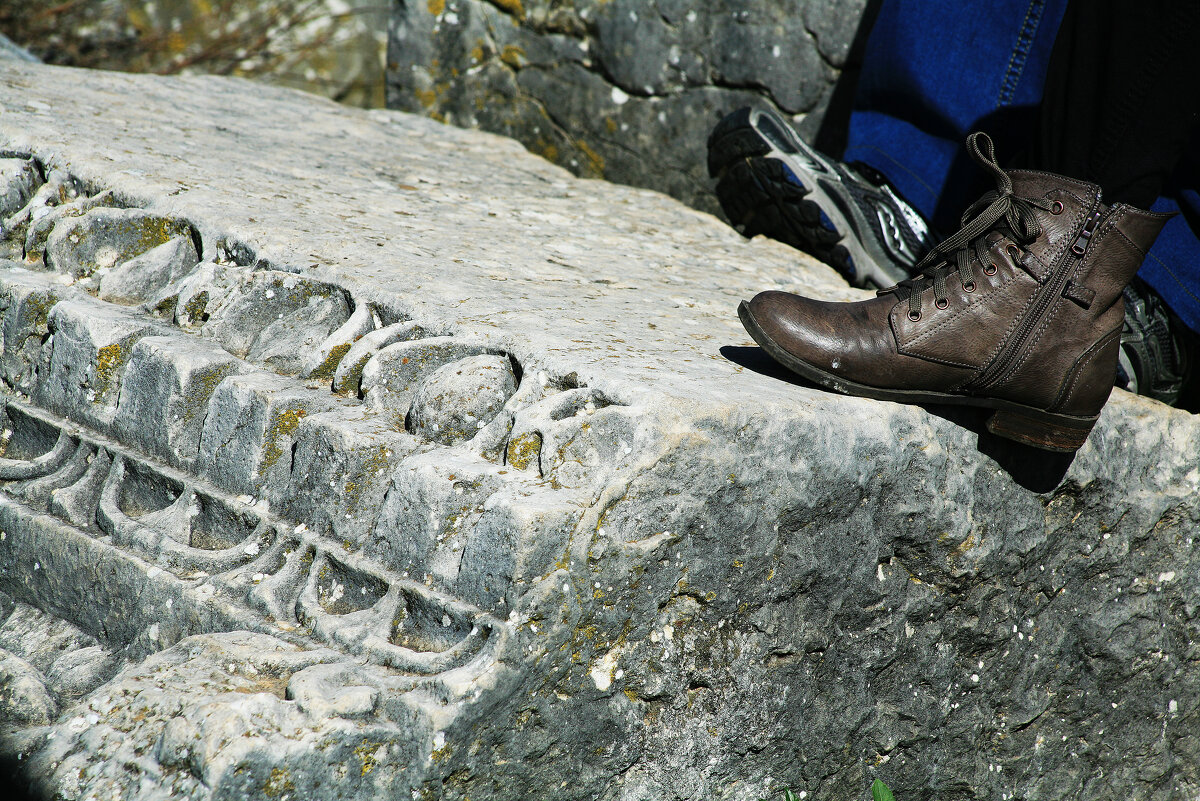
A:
619, 98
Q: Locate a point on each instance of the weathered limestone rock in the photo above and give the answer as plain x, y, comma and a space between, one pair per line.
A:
237, 560
626, 90
459, 398
20, 179
103, 238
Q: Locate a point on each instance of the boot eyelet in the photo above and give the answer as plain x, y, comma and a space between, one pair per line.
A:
941, 304
1014, 252
969, 286
1056, 207
914, 316
990, 269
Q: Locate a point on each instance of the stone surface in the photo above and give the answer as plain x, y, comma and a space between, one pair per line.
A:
9, 50
626, 90
104, 238
458, 399
232, 569
20, 179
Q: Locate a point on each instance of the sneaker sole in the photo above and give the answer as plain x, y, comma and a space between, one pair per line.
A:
770, 182
1025, 424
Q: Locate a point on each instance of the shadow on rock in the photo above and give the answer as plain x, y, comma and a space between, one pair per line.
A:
754, 358
19, 786
1033, 468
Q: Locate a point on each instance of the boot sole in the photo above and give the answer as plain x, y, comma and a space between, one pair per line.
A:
771, 183
1025, 424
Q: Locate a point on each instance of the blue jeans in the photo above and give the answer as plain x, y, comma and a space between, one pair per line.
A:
935, 70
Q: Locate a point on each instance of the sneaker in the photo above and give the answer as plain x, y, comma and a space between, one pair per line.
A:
848, 216
1154, 359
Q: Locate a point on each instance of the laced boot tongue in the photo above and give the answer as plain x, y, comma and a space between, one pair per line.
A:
1001, 208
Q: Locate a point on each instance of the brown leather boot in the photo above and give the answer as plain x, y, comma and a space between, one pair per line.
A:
1020, 311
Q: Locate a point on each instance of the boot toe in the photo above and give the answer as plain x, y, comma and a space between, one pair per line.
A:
836, 338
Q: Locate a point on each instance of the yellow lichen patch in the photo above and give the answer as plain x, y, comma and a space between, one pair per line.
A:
368, 754
195, 307
109, 359
595, 160
436, 7
38, 305
279, 783
284, 424
275, 685
145, 233
329, 366
352, 375
513, 56
610, 124
203, 387
477, 54
524, 450
426, 97
513, 7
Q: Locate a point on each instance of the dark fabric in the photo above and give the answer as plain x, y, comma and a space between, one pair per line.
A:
1122, 95
935, 70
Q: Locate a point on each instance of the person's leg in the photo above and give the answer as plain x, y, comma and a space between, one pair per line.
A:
934, 72
1121, 99
933, 69
1120, 108
1020, 311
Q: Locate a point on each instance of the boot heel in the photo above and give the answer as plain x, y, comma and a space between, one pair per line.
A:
1054, 432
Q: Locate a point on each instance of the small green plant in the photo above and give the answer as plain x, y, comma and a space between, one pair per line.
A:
880, 792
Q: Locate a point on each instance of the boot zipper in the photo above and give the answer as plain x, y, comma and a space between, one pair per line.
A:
1089, 228
1049, 292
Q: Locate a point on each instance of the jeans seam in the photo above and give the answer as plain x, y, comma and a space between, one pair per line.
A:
1021, 50
1174, 277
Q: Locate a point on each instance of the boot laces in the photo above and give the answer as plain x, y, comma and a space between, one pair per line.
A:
998, 209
